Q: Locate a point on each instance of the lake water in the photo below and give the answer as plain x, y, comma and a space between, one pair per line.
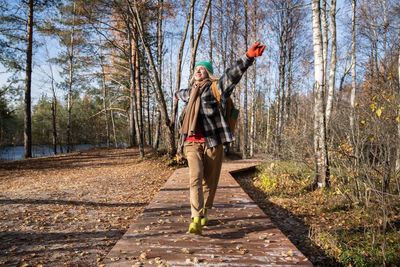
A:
10, 153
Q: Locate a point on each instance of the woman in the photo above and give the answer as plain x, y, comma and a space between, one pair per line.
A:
205, 130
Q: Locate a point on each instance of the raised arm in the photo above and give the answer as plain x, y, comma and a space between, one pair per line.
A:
233, 74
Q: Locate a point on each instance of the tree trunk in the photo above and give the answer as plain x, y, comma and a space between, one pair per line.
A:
324, 24
53, 112
53, 103
353, 72
28, 83
139, 105
281, 79
245, 154
70, 83
253, 114
157, 131
332, 68
179, 61
253, 93
149, 116
103, 80
195, 44
267, 136
320, 146
132, 103
210, 53
170, 127
133, 57
114, 132
398, 110
289, 79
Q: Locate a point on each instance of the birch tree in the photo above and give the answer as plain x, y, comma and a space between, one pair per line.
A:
353, 70
320, 145
246, 113
332, 67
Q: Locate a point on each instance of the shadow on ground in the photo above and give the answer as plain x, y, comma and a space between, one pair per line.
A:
290, 224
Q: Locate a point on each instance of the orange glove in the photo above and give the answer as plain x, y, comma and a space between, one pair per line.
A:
256, 50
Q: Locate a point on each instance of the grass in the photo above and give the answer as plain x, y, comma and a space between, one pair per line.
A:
350, 232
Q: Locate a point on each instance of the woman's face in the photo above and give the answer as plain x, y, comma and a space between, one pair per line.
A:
200, 73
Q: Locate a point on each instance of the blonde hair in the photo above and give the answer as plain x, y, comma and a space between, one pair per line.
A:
211, 77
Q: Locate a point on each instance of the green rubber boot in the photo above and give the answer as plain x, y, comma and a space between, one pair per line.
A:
195, 226
204, 220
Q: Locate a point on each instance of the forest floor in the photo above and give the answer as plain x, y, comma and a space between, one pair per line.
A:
70, 209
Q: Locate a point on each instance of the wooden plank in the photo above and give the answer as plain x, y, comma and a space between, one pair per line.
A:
239, 234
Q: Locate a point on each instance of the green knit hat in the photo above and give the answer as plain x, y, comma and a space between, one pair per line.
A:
207, 65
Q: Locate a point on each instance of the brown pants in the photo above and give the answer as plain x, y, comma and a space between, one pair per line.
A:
204, 170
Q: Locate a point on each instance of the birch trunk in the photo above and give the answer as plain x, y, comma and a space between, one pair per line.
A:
246, 114
353, 70
253, 91
324, 24
332, 67
321, 157
253, 113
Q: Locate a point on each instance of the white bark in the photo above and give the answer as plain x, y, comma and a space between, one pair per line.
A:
321, 159
353, 68
332, 68
325, 26
246, 113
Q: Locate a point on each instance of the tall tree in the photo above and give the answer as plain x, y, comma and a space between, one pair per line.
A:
71, 59
320, 145
28, 84
169, 123
398, 110
159, 92
353, 70
17, 24
245, 152
332, 67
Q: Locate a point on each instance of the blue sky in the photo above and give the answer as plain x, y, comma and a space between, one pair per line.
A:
41, 71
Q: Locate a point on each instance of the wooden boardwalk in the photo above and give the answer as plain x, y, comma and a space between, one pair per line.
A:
239, 233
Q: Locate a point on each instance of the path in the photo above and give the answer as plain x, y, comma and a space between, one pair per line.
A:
239, 233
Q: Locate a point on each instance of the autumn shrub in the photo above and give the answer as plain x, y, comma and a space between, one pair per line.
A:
280, 177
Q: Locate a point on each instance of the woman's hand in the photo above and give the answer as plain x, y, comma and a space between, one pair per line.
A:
256, 50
